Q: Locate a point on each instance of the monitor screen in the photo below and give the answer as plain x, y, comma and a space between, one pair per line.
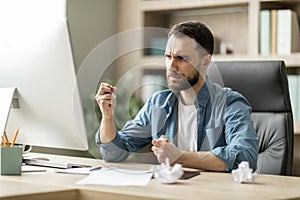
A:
36, 58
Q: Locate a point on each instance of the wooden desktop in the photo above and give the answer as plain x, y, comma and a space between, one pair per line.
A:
207, 185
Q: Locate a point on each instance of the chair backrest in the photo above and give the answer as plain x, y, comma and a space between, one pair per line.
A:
265, 85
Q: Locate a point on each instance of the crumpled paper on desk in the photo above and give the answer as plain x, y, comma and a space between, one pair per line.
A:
167, 174
243, 174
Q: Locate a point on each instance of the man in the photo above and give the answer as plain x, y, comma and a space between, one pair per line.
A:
208, 127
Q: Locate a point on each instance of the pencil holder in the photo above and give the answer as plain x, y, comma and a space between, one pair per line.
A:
11, 160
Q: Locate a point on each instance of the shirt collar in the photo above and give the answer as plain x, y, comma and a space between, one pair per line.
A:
202, 98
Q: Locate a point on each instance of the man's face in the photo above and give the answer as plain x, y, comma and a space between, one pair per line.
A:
182, 62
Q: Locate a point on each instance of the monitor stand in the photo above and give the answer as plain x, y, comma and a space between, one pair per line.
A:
6, 96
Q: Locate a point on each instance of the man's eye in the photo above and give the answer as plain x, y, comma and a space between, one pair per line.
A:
168, 56
181, 58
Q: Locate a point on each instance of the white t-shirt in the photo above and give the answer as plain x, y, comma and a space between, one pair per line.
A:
187, 127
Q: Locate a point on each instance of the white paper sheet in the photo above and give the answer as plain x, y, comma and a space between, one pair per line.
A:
29, 168
117, 177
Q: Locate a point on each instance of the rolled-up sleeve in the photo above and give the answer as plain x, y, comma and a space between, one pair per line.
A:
240, 136
111, 152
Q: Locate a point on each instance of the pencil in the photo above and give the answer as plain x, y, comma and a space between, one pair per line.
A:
3, 141
5, 138
14, 138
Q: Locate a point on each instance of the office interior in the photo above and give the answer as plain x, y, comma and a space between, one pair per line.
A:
92, 22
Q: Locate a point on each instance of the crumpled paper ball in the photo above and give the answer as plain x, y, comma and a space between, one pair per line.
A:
243, 174
167, 174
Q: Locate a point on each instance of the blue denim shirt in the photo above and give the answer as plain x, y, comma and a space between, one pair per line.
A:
224, 126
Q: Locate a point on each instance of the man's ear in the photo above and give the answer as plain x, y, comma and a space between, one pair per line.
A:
206, 60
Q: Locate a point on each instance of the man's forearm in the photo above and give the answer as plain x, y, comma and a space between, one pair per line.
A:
202, 160
108, 130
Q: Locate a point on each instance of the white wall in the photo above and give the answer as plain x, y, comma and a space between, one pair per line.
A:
90, 22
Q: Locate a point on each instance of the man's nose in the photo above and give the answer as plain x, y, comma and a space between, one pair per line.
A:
172, 64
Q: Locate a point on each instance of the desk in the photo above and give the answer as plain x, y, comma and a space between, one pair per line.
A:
208, 185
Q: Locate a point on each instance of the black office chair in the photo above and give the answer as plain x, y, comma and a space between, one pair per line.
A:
265, 85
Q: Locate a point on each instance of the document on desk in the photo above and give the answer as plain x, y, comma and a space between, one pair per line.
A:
117, 177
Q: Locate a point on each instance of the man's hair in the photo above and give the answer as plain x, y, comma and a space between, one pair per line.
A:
197, 31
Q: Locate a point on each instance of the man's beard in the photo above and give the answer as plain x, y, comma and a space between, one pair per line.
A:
183, 83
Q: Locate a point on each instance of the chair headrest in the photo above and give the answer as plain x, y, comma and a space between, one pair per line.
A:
263, 83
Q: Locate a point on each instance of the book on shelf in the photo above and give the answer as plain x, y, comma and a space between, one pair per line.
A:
294, 89
279, 32
264, 35
273, 31
288, 40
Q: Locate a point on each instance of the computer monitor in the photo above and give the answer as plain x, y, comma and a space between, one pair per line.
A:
36, 58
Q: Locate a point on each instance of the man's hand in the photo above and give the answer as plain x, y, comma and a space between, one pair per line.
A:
106, 99
199, 160
165, 149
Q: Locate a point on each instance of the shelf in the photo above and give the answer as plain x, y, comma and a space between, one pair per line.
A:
160, 5
220, 21
233, 22
228, 20
291, 61
281, 1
